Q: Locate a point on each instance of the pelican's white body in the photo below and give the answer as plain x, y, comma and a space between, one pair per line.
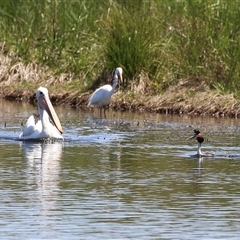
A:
43, 127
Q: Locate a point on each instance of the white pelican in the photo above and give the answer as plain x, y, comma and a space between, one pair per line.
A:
47, 124
101, 97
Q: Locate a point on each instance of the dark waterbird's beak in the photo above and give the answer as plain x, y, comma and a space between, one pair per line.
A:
196, 132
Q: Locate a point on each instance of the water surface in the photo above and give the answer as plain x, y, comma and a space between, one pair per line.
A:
129, 176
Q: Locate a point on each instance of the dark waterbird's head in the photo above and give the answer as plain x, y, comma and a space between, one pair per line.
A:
198, 136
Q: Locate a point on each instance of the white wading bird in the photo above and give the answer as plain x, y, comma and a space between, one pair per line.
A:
46, 124
101, 97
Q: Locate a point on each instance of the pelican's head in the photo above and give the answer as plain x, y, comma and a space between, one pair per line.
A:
45, 104
117, 75
42, 91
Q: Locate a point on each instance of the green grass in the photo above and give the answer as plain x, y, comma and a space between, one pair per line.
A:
167, 40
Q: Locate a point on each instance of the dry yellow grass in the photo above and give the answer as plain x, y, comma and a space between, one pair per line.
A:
19, 82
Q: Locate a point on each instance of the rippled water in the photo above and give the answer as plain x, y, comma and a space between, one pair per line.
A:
130, 176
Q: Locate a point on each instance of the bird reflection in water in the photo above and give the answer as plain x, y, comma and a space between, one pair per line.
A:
199, 168
43, 168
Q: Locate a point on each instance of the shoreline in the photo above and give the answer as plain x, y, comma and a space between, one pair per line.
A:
19, 82
175, 100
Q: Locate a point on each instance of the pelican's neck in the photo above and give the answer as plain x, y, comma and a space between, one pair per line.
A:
199, 152
44, 119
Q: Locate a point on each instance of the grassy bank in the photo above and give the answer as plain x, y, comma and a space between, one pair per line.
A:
161, 42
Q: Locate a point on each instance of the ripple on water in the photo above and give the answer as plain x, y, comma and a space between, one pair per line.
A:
129, 176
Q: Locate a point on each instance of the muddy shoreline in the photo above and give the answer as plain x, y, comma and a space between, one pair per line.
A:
19, 82
175, 100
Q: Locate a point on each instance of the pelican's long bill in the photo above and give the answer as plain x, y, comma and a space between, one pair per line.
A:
45, 103
120, 76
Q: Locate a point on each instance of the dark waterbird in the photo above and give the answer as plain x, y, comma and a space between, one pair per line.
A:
200, 139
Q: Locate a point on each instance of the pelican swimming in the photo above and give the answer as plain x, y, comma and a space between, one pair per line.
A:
101, 97
200, 139
46, 124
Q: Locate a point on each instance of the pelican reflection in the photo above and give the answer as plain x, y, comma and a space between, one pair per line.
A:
42, 172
